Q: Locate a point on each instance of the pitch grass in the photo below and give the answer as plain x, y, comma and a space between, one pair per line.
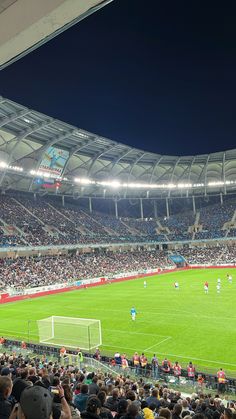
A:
182, 324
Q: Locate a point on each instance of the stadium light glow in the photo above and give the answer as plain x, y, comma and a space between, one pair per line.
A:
44, 174
115, 183
139, 185
84, 181
4, 165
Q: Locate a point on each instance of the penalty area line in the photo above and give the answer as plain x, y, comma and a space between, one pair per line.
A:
157, 344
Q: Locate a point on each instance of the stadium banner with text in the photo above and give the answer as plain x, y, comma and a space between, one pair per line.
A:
54, 160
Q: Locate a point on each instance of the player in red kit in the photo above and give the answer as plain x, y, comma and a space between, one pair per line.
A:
206, 287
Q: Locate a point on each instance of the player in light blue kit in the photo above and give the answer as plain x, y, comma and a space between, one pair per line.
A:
133, 313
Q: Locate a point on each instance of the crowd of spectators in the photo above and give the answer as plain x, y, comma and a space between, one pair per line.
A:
44, 222
178, 225
35, 388
213, 217
220, 254
23, 272
31, 272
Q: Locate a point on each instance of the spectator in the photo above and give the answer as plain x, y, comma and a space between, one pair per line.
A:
36, 403
5, 391
113, 400
105, 413
147, 412
93, 387
122, 408
93, 409
132, 412
75, 414
80, 399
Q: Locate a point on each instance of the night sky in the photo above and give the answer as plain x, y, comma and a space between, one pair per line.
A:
157, 75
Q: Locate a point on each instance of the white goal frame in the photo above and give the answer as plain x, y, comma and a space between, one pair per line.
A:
72, 332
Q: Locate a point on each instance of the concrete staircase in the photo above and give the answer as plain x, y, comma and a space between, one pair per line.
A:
131, 230
29, 212
81, 229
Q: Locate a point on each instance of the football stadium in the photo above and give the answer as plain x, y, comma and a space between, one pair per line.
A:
117, 269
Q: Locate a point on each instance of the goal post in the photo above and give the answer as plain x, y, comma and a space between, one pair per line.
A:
72, 332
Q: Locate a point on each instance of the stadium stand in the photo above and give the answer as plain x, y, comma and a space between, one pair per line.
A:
220, 254
47, 270
213, 219
44, 221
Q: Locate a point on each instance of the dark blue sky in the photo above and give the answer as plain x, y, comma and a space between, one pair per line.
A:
158, 75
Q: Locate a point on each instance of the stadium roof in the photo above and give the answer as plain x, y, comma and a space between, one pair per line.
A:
27, 24
25, 136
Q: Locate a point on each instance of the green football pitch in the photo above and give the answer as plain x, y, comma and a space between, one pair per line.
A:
184, 325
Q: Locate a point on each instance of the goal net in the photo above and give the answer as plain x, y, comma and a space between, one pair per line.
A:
70, 331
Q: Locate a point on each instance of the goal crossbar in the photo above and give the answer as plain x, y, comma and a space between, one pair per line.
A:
72, 332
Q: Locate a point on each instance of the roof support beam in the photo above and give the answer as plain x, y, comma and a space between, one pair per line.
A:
13, 117
134, 164
18, 140
154, 168
173, 172
116, 161
223, 173
205, 173
75, 150
98, 156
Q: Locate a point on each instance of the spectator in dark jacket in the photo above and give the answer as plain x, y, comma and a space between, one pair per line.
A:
177, 411
5, 391
80, 399
132, 412
153, 398
112, 401
93, 409
122, 408
93, 387
105, 413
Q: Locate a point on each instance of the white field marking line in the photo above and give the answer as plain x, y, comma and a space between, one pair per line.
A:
14, 331
181, 313
157, 344
174, 355
197, 359
22, 333
136, 333
123, 347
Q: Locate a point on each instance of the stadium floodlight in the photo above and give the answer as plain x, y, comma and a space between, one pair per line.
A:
71, 332
84, 181
4, 165
115, 183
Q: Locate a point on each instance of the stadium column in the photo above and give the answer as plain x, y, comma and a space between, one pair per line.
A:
141, 208
221, 199
116, 208
167, 208
63, 200
90, 205
155, 208
194, 206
